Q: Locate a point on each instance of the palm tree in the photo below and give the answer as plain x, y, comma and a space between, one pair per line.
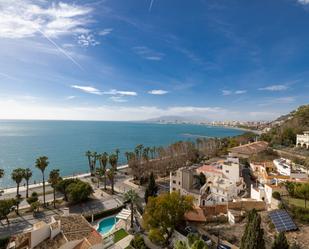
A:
132, 197
103, 162
113, 160
54, 178
88, 155
117, 151
127, 154
17, 176
41, 163
1, 173
27, 176
111, 176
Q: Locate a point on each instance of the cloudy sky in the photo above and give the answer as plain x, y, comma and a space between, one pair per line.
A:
139, 59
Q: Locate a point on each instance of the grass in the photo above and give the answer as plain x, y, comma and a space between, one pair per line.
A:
119, 235
296, 202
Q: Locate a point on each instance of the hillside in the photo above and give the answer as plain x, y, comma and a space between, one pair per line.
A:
285, 128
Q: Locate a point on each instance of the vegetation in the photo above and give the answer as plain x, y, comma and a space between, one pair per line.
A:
34, 202
79, 191
27, 176
253, 237
119, 235
111, 176
41, 163
285, 133
280, 242
4, 241
6, 206
105, 213
194, 241
298, 190
152, 188
17, 176
131, 196
1, 173
163, 213
62, 186
138, 242
54, 179
276, 195
103, 159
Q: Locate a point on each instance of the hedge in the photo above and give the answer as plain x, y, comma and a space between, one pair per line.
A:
104, 213
4, 242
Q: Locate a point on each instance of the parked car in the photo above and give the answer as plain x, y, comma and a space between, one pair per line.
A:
221, 246
190, 229
207, 240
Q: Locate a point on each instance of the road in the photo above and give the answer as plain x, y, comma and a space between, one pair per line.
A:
247, 178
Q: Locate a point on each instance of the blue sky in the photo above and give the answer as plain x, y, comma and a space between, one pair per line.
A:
139, 59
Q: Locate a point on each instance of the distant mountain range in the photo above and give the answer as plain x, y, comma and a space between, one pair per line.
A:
177, 119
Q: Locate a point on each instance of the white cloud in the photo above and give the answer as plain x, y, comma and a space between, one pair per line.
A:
226, 92
105, 32
274, 88
304, 2
70, 97
229, 92
86, 40
118, 99
148, 53
25, 18
281, 100
240, 91
158, 92
122, 93
88, 89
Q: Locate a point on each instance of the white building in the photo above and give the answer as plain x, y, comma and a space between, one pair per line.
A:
283, 166
303, 140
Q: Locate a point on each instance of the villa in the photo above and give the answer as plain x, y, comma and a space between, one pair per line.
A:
64, 232
302, 140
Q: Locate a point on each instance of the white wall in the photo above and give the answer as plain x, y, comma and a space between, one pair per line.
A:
39, 234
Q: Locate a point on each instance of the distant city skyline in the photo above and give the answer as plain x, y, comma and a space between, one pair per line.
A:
142, 59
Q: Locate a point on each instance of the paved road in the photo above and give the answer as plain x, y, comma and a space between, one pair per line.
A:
247, 178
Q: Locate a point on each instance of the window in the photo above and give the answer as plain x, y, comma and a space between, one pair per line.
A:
174, 189
227, 171
174, 181
204, 203
222, 199
179, 183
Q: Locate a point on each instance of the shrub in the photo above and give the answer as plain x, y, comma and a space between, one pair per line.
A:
104, 213
79, 191
277, 195
4, 242
138, 242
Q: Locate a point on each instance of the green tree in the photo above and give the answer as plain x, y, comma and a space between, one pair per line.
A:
54, 179
303, 191
253, 237
280, 242
41, 163
113, 160
6, 206
1, 173
27, 176
132, 197
138, 242
152, 188
193, 242
163, 213
111, 176
103, 163
88, 154
79, 191
202, 179
63, 186
17, 176
34, 202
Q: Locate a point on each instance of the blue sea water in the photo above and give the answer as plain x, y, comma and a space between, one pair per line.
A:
65, 142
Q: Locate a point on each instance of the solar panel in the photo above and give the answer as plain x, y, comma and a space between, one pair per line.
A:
282, 221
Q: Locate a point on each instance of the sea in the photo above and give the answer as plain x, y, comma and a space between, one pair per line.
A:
65, 142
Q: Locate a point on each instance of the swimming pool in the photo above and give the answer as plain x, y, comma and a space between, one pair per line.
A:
107, 224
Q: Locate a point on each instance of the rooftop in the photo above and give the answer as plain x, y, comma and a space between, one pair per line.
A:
251, 148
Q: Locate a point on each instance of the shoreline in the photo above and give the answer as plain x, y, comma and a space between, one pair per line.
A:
11, 190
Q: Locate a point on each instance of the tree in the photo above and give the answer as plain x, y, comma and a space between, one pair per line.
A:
280, 242
163, 213
152, 188
27, 176
253, 237
88, 154
41, 163
113, 160
54, 179
194, 241
202, 179
6, 206
117, 151
1, 173
63, 185
34, 202
79, 191
17, 176
132, 197
111, 176
303, 191
138, 242
103, 159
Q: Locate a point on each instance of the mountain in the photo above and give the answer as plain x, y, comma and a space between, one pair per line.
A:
177, 119
284, 129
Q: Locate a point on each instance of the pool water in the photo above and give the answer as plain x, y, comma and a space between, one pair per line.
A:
106, 224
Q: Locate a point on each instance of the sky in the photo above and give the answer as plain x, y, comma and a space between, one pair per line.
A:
140, 59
